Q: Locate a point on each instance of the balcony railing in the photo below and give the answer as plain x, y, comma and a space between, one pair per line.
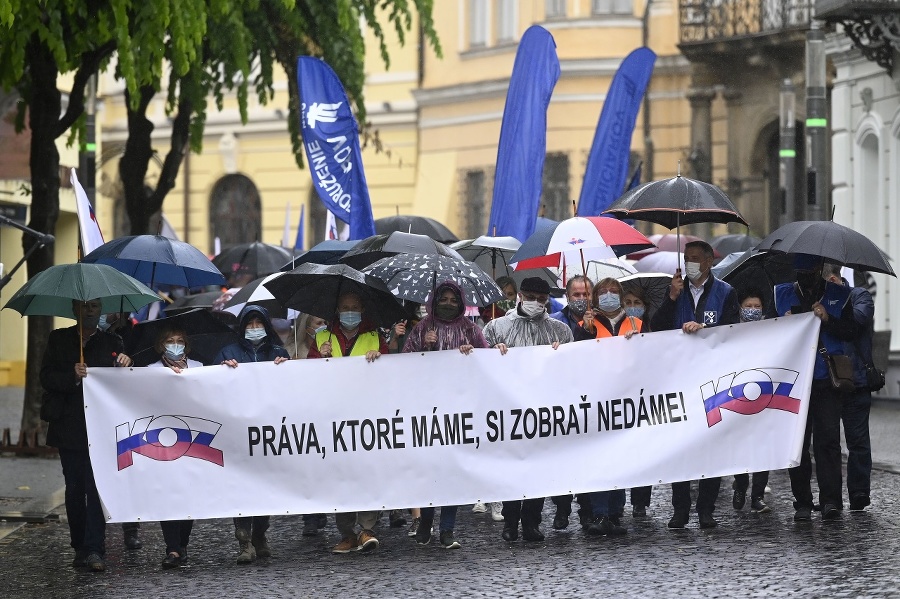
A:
713, 20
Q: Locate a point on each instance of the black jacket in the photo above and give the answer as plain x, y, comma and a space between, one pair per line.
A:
243, 351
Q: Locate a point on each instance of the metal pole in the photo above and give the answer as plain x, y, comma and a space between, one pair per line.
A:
87, 159
648, 139
787, 154
816, 124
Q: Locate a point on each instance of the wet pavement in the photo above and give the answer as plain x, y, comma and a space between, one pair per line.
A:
748, 555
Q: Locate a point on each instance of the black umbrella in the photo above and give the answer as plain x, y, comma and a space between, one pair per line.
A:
253, 259
372, 249
207, 335
315, 289
251, 293
733, 242
676, 201
420, 225
833, 242
759, 271
329, 251
492, 255
413, 277
653, 287
190, 302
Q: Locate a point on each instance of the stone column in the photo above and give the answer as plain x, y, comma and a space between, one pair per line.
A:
700, 157
733, 102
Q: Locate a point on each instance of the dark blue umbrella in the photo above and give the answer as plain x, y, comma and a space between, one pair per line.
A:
156, 260
329, 251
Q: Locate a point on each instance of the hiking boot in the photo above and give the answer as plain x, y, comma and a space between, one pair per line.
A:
396, 519
367, 541
414, 527
510, 532
80, 560
531, 533
447, 540
310, 528
497, 511
599, 526
246, 553
94, 562
759, 506
803, 514
347, 545
131, 540
679, 520
479, 508
560, 521
639, 511
261, 544
859, 502
739, 499
707, 520
617, 528
830, 512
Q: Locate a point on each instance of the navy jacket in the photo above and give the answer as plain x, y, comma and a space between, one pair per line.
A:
243, 351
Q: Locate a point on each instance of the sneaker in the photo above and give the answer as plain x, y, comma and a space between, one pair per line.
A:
707, 520
859, 502
639, 511
397, 519
803, 514
679, 520
414, 527
261, 544
172, 560
599, 526
310, 528
347, 545
80, 560
447, 540
830, 512
479, 508
247, 553
95, 562
367, 541
768, 489
739, 499
497, 511
423, 535
759, 506
132, 541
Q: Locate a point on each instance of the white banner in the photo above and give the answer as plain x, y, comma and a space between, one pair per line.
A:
441, 428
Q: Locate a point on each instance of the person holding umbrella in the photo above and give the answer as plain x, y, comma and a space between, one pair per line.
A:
707, 302
445, 327
69, 353
831, 304
525, 325
173, 347
260, 343
351, 334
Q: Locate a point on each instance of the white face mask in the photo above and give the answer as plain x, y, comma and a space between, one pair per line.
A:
692, 270
174, 351
532, 309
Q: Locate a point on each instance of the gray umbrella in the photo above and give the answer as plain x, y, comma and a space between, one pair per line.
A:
414, 277
833, 242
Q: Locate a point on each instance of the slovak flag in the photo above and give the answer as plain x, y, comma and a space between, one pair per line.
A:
331, 230
91, 236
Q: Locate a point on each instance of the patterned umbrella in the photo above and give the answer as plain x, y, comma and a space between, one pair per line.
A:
414, 277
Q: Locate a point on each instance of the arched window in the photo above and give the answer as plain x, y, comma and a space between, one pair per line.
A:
234, 211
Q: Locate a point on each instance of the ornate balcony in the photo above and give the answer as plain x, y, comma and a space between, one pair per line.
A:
705, 21
872, 25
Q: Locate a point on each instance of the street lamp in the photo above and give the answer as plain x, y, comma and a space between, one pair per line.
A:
816, 123
787, 153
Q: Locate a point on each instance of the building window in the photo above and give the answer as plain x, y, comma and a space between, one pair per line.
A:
555, 8
475, 201
234, 212
506, 21
612, 7
555, 202
478, 23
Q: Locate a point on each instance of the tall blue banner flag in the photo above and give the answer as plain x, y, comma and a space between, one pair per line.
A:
523, 136
301, 230
331, 140
607, 164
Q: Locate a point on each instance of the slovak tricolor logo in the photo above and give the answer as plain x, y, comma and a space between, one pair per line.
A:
750, 392
167, 438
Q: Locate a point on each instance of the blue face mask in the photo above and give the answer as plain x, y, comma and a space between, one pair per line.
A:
255, 336
102, 324
751, 314
350, 320
174, 351
634, 311
609, 302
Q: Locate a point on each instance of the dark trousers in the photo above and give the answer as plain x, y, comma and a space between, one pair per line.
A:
823, 427
176, 534
706, 498
608, 503
256, 525
528, 511
563, 505
87, 526
760, 480
448, 517
855, 414
640, 496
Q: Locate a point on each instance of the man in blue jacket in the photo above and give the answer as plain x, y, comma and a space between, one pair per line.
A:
707, 302
830, 303
259, 343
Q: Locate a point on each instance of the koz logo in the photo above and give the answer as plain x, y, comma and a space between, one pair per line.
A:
750, 392
709, 317
322, 113
167, 438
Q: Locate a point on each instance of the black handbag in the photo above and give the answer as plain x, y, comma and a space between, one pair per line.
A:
874, 378
840, 371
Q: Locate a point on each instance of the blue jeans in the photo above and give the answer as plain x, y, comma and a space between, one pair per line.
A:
855, 415
87, 526
608, 503
448, 517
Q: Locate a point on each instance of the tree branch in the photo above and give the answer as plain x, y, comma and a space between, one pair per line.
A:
171, 165
90, 63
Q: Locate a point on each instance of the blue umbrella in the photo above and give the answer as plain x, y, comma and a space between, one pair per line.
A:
155, 260
329, 251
